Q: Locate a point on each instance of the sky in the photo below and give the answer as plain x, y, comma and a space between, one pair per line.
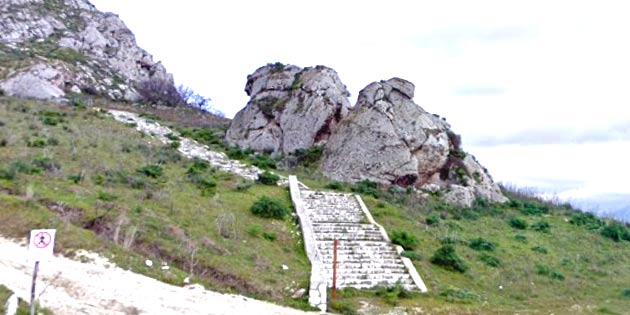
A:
539, 90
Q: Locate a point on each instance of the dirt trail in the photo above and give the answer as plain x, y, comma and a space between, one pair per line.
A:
99, 287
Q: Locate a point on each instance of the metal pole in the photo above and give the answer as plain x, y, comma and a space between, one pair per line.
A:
334, 286
33, 288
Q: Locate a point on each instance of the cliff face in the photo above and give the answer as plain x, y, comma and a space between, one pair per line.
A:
290, 109
50, 48
385, 138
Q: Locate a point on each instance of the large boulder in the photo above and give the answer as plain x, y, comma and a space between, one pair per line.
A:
290, 108
98, 50
389, 139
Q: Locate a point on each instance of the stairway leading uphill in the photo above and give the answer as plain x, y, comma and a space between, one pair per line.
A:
365, 256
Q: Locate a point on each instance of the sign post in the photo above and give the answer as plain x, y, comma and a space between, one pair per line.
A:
40, 247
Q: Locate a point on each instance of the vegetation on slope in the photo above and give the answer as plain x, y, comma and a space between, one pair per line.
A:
110, 189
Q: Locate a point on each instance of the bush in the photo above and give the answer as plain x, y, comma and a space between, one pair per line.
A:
263, 161
446, 257
270, 208
539, 249
616, 232
518, 223
335, 185
270, 236
546, 271
481, 244
44, 162
235, 153
432, 220
7, 173
343, 307
404, 239
159, 92
309, 157
415, 256
366, 187
459, 295
586, 219
151, 170
392, 294
490, 260
541, 226
254, 230
36, 142
626, 293
267, 178
105, 196
21, 167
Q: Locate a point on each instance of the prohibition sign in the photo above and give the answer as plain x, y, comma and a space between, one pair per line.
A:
42, 239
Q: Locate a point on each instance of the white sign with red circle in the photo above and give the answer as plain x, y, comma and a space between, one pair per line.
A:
41, 244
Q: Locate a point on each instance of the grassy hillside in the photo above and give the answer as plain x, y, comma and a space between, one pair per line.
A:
110, 189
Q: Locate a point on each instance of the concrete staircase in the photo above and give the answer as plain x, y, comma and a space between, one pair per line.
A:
365, 255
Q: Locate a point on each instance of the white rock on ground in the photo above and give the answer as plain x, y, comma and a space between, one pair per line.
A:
72, 287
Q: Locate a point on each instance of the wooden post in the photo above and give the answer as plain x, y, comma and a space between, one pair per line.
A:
33, 288
334, 285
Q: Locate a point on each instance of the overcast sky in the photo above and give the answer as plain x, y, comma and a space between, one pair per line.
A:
539, 90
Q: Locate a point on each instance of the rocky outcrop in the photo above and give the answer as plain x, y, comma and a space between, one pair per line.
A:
389, 139
290, 108
87, 51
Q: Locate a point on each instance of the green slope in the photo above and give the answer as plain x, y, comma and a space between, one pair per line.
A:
95, 180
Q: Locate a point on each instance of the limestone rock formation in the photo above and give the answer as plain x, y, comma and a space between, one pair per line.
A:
61, 46
389, 139
290, 108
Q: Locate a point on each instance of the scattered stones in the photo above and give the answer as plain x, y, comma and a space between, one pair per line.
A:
299, 293
285, 267
148, 263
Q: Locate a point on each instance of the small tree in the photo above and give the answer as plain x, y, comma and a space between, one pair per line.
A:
446, 257
270, 208
158, 91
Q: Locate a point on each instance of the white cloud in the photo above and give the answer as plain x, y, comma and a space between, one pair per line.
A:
497, 70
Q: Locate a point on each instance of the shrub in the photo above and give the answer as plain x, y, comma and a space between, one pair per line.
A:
344, 307
392, 294
459, 295
415, 256
616, 232
77, 178
586, 219
105, 196
335, 185
541, 226
490, 260
159, 92
481, 244
518, 223
531, 208
269, 208
626, 293
404, 239
270, 236
366, 187
151, 170
267, 178
539, 249
45, 163
263, 161
254, 230
24, 168
36, 142
309, 157
175, 144
432, 220
7, 173
198, 166
546, 271
235, 153
446, 257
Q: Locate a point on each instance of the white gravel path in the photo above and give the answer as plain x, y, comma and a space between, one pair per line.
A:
99, 287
